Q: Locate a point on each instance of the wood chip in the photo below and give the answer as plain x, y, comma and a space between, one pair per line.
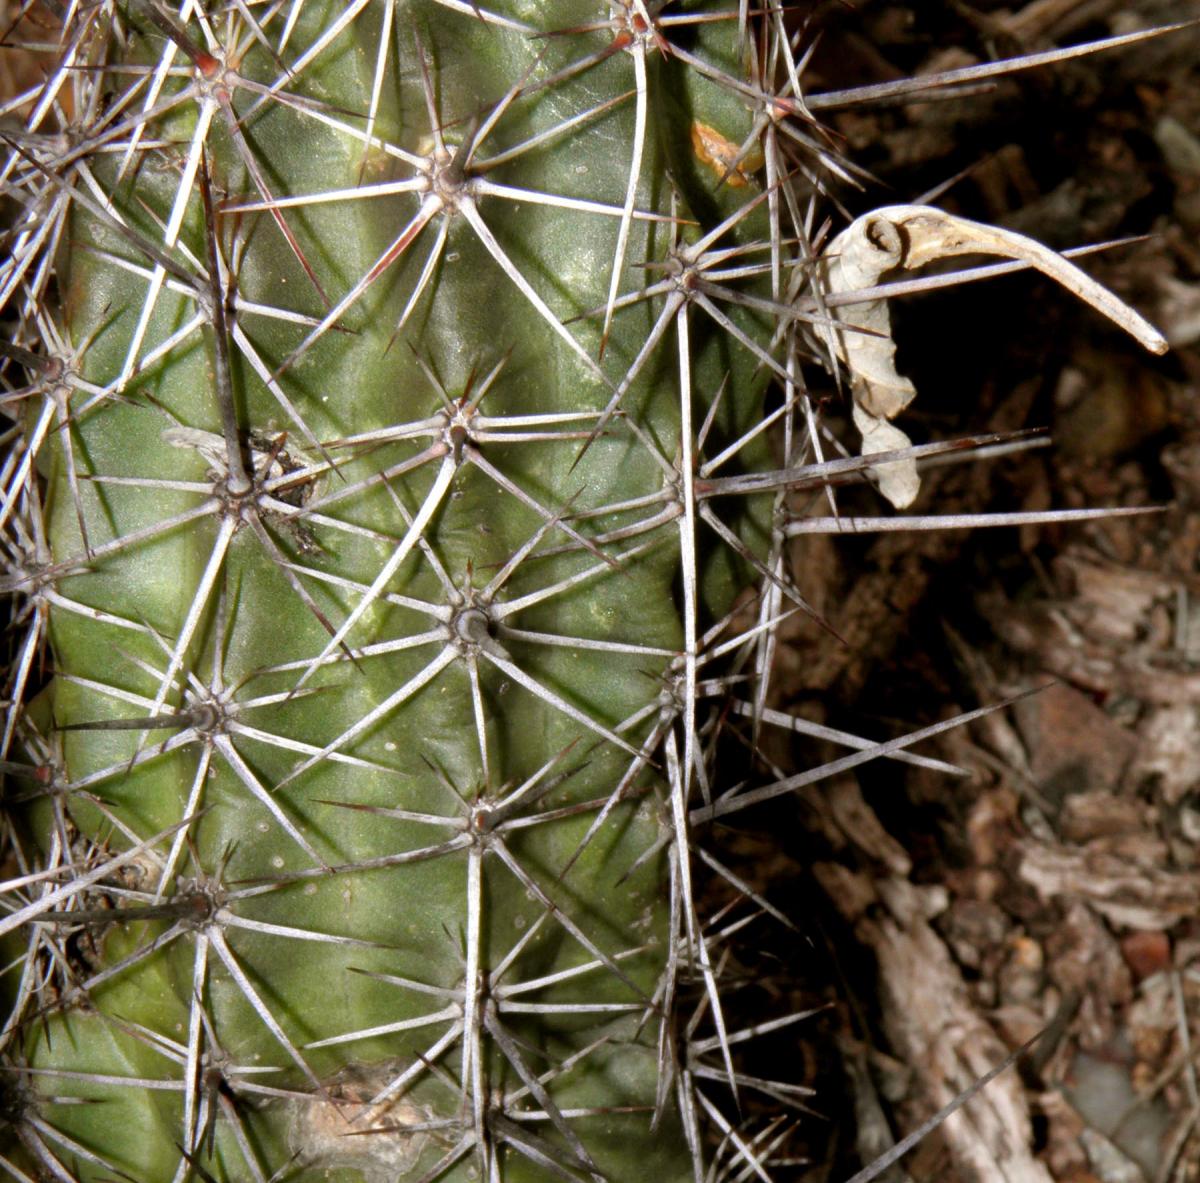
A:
1129, 887
1073, 745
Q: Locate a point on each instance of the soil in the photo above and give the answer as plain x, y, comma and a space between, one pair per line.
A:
1053, 889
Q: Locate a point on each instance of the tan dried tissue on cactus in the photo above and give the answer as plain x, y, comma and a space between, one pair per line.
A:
404, 395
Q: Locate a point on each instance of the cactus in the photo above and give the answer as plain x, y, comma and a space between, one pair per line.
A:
395, 440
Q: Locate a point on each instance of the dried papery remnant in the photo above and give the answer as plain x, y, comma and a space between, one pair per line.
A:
908, 237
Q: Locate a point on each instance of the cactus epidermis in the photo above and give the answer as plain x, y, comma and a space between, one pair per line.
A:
366, 526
